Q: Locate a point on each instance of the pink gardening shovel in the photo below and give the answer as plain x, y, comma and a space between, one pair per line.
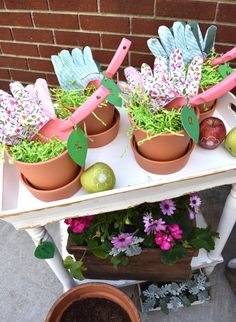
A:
62, 128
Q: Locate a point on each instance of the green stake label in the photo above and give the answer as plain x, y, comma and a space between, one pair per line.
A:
190, 122
114, 97
45, 250
225, 70
77, 146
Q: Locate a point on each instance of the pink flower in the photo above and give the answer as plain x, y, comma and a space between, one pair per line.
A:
167, 207
123, 240
77, 225
164, 240
151, 225
176, 232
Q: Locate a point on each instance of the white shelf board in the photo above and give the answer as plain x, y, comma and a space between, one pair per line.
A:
205, 169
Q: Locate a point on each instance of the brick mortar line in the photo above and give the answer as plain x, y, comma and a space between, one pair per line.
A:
29, 57
216, 12
98, 6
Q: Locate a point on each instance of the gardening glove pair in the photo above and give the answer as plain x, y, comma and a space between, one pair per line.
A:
21, 115
187, 37
168, 79
75, 70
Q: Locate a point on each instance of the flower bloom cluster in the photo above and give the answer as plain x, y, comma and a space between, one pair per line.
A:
194, 203
166, 239
77, 225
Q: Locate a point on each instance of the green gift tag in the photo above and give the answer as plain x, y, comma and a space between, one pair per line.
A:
77, 146
114, 97
190, 122
45, 250
225, 70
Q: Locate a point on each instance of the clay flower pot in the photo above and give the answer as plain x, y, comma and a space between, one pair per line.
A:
92, 291
206, 109
51, 174
63, 192
93, 126
162, 167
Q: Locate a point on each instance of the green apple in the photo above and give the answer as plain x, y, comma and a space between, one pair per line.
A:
230, 141
98, 177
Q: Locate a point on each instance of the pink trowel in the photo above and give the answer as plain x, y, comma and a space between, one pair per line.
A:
211, 94
116, 61
230, 55
62, 128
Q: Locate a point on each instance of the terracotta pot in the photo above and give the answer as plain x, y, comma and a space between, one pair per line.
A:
93, 290
51, 174
210, 112
137, 268
206, 108
104, 138
91, 125
161, 167
63, 192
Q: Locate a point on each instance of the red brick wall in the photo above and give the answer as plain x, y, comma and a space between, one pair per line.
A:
32, 30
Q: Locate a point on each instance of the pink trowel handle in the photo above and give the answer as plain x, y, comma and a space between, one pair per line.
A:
87, 107
118, 58
216, 91
230, 55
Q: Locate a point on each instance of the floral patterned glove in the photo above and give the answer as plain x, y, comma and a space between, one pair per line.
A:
20, 115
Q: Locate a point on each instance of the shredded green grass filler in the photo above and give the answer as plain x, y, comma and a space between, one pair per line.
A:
210, 74
36, 151
155, 121
70, 99
1, 148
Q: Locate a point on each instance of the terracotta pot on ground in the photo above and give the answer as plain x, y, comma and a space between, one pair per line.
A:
63, 192
92, 291
146, 266
51, 174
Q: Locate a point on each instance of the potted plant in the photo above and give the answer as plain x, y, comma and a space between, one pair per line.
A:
174, 295
94, 302
160, 142
45, 168
99, 124
153, 241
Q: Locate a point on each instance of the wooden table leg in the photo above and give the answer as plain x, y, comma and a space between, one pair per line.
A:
226, 224
55, 263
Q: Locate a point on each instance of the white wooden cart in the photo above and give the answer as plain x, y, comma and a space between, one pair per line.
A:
205, 169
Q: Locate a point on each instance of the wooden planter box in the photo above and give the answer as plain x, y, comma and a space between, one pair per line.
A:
147, 266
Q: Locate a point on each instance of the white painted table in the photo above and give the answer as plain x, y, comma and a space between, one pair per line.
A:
205, 169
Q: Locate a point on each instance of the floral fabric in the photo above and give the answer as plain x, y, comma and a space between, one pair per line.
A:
21, 117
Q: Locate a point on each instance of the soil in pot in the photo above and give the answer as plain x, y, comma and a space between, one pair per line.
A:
94, 309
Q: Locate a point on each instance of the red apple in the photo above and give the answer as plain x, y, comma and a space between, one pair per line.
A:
212, 133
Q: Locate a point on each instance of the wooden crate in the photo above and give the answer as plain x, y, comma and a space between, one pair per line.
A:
146, 266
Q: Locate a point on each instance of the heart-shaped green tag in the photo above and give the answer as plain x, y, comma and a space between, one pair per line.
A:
225, 70
190, 122
77, 146
45, 250
114, 97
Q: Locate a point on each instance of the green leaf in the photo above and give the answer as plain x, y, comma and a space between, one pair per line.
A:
173, 255
106, 246
124, 260
77, 146
77, 269
115, 262
204, 238
100, 253
45, 250
92, 243
68, 261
